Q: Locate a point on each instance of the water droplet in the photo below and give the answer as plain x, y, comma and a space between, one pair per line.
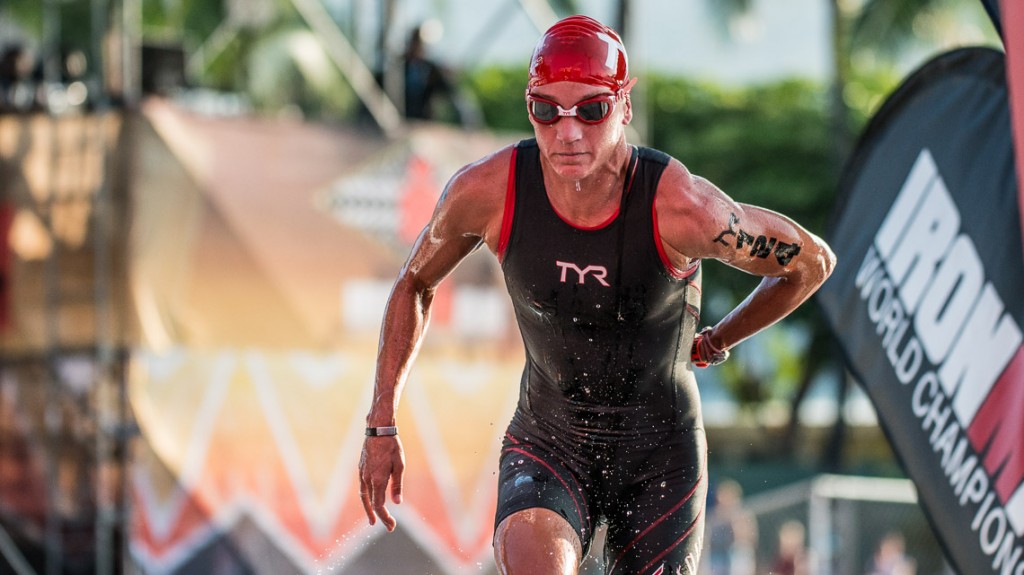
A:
663, 484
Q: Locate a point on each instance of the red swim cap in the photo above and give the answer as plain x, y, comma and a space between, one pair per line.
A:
580, 49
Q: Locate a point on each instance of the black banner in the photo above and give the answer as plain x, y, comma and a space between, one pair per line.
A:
928, 299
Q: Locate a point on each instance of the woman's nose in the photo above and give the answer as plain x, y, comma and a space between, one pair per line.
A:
568, 129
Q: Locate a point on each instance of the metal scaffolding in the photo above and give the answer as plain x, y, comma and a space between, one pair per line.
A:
79, 429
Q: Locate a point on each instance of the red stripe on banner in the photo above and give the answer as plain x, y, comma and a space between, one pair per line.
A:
1013, 39
999, 426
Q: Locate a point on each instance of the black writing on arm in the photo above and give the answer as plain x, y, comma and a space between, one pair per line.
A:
729, 231
785, 252
760, 246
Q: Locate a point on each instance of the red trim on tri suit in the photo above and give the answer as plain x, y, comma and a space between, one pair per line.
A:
603, 224
510, 207
669, 266
676, 542
579, 512
611, 218
658, 521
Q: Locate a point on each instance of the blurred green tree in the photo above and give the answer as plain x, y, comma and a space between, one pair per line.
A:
790, 159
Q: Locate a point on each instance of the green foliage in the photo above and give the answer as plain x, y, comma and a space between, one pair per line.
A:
185, 21
864, 93
499, 92
289, 68
888, 29
766, 145
26, 13
74, 19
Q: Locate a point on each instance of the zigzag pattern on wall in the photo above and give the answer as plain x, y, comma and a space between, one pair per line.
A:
276, 437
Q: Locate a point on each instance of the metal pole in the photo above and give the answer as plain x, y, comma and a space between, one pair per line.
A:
52, 413
100, 17
123, 494
9, 551
392, 70
131, 52
347, 60
386, 14
106, 520
104, 398
622, 17
51, 41
819, 526
640, 94
842, 136
540, 13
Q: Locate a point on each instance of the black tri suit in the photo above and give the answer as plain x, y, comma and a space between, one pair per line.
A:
608, 425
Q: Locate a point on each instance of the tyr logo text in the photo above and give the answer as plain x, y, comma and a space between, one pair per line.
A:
599, 273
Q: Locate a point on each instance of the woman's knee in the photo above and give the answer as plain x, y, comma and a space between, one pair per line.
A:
537, 542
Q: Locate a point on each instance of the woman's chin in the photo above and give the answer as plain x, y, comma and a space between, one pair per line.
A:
572, 171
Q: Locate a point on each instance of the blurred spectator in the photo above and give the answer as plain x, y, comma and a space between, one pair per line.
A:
731, 533
17, 82
430, 93
424, 79
890, 558
791, 558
